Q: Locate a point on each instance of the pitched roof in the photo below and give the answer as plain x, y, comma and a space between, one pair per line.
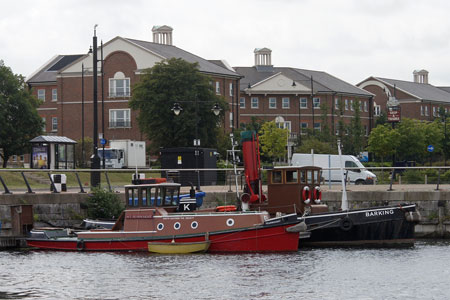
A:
169, 51
421, 91
47, 73
445, 88
322, 82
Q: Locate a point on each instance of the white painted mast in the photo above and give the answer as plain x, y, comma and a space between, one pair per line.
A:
344, 202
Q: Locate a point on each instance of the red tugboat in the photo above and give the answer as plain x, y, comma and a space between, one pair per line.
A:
297, 190
155, 213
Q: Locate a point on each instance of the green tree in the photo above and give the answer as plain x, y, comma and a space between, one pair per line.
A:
383, 141
381, 119
434, 135
103, 204
273, 140
412, 140
325, 134
317, 145
19, 119
177, 81
87, 152
354, 142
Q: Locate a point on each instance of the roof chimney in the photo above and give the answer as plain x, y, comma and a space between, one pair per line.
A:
162, 35
420, 76
263, 59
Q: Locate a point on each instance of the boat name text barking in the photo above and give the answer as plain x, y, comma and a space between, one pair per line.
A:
379, 213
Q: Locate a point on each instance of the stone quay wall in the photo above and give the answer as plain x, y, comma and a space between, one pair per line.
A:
67, 209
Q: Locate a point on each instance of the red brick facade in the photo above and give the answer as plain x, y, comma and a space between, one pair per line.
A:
68, 107
307, 115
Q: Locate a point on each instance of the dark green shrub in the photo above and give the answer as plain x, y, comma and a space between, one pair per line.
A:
103, 204
413, 176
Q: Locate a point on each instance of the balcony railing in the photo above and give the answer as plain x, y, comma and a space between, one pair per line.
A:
116, 94
120, 124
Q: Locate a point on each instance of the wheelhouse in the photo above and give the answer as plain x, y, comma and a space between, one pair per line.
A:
289, 189
165, 195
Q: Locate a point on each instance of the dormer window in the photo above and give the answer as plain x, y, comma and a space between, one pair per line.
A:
119, 86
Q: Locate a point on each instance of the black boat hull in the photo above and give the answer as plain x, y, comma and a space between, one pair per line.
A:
375, 227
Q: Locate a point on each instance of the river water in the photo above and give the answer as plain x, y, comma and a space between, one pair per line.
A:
421, 272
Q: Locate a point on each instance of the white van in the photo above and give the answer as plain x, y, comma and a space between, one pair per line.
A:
331, 161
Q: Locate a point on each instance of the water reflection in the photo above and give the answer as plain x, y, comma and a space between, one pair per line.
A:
415, 273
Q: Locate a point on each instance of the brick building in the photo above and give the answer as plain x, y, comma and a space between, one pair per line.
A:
293, 97
418, 99
65, 84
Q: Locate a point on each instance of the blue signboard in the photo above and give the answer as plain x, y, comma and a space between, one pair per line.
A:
430, 148
103, 141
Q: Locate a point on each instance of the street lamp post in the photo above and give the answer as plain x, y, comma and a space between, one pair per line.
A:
95, 159
83, 152
177, 110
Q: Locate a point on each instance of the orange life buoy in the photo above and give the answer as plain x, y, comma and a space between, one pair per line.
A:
306, 195
317, 195
226, 208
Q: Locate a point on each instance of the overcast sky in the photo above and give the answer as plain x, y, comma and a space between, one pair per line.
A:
350, 39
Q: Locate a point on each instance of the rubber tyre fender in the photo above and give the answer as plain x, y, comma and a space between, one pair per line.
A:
346, 224
80, 245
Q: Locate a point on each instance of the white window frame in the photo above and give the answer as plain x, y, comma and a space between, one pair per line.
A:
44, 127
421, 110
426, 110
316, 102
119, 76
114, 122
242, 102
285, 102
217, 88
346, 104
231, 89
54, 124
360, 106
303, 132
288, 125
365, 106
318, 128
54, 95
41, 94
336, 103
303, 103
434, 111
231, 119
377, 110
272, 102
351, 105
254, 103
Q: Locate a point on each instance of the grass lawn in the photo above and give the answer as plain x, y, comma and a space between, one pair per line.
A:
40, 180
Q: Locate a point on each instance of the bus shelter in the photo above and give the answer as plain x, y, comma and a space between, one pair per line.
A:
52, 152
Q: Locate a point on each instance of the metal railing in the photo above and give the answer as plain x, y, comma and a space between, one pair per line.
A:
31, 180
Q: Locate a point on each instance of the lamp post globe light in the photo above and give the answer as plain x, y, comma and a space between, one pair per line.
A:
177, 110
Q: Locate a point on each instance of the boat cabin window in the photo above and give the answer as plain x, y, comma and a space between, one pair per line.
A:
291, 176
277, 177
302, 176
170, 196
148, 196
317, 175
309, 178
